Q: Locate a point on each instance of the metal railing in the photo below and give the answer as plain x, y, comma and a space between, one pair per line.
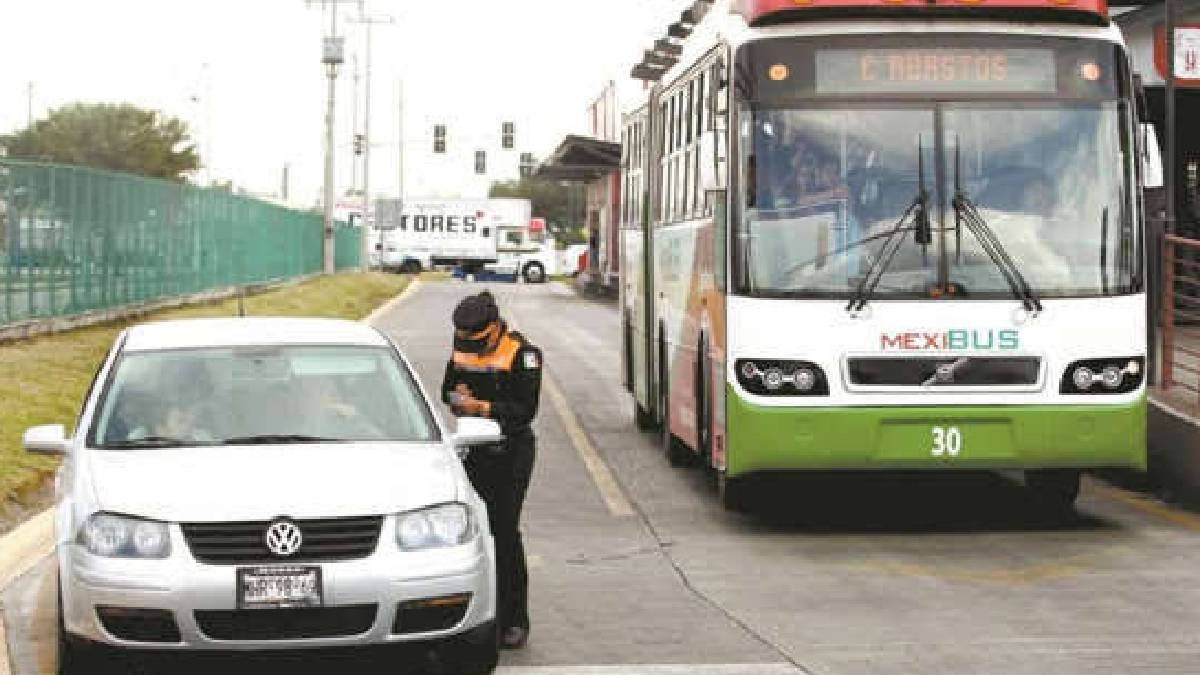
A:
1181, 314
74, 239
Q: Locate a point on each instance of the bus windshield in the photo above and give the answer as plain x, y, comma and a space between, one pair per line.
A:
824, 183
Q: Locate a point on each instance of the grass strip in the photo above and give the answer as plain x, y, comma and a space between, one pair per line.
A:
43, 379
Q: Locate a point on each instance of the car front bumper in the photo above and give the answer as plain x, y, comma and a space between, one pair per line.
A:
188, 589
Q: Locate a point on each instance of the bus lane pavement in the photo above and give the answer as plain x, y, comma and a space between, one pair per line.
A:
877, 573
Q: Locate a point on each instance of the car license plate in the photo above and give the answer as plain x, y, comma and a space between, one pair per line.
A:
279, 587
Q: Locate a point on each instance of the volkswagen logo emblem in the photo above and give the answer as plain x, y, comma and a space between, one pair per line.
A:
284, 538
945, 373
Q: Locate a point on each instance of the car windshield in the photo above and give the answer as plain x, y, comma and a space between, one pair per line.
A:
824, 186
254, 395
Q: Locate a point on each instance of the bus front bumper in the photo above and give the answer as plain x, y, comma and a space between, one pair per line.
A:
760, 438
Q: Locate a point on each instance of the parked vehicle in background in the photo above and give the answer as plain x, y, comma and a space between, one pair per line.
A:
497, 236
297, 491
419, 234
524, 249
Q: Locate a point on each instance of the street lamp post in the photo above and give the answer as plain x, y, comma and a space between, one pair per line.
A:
370, 22
333, 55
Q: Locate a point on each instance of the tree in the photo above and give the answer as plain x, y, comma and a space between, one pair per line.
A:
550, 200
118, 137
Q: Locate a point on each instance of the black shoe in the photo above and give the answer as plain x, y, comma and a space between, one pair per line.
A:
514, 637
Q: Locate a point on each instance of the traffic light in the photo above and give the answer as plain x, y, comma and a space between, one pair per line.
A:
439, 139
360, 143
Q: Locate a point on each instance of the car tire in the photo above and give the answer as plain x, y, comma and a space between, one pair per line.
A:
476, 652
534, 273
75, 656
1056, 487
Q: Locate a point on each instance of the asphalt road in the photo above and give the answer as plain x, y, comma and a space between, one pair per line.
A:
636, 569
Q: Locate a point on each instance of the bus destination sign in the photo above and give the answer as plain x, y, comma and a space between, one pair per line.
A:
935, 70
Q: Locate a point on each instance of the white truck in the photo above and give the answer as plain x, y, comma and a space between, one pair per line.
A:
496, 236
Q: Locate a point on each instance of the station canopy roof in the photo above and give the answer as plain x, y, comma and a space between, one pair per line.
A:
581, 159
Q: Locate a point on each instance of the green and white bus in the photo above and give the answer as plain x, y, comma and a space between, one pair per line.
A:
887, 234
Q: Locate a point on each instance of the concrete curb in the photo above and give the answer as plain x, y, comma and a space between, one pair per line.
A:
33, 540
394, 302
20, 550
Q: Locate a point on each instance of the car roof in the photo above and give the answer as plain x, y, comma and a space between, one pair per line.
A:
251, 331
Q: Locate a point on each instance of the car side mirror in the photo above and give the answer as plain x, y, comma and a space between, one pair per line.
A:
48, 439
475, 431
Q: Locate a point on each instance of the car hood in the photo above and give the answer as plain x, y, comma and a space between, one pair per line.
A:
216, 484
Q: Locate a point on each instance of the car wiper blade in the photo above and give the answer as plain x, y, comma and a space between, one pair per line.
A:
154, 442
919, 211
273, 439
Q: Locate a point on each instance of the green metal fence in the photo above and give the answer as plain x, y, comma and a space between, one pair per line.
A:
74, 239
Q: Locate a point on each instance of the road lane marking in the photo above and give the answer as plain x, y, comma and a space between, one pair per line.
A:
1149, 506
656, 669
614, 497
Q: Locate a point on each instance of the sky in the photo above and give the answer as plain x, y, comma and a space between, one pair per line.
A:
246, 76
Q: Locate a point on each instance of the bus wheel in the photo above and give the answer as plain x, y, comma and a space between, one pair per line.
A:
410, 267
678, 455
642, 419
703, 408
734, 493
534, 273
1057, 487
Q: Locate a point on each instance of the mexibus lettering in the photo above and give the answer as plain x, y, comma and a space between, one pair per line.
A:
952, 340
448, 224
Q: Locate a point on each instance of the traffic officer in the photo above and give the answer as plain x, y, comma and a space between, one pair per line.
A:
496, 373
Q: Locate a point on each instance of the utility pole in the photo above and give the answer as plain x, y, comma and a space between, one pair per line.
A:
370, 22
29, 99
1172, 14
400, 143
354, 113
333, 56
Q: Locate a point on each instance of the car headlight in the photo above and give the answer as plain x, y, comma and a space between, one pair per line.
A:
774, 377
434, 527
1103, 376
113, 536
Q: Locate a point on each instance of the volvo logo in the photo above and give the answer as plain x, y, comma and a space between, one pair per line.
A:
284, 538
944, 372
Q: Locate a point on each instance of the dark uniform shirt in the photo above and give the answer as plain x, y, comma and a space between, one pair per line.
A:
509, 377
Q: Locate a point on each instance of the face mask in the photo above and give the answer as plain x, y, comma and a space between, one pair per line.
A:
476, 343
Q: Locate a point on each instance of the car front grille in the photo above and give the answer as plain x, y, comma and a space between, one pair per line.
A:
945, 372
242, 543
286, 624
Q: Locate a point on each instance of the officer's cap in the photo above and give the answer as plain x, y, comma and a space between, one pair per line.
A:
475, 312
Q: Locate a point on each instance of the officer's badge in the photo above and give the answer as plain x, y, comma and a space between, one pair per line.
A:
530, 361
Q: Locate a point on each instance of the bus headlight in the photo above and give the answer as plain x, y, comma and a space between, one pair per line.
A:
1103, 376
775, 377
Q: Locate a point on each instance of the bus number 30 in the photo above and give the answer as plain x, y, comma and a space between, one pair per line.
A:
947, 441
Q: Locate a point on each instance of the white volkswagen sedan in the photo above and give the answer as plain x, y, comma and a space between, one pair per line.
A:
268, 484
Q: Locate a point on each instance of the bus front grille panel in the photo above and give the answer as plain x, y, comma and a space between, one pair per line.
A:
944, 371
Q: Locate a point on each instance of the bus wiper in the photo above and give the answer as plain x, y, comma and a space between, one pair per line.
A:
277, 439
918, 210
966, 213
